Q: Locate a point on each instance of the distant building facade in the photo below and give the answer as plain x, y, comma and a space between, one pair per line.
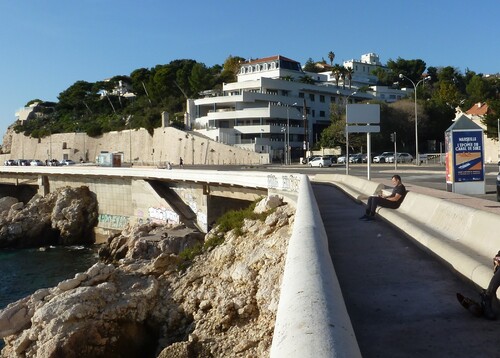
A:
274, 100
491, 146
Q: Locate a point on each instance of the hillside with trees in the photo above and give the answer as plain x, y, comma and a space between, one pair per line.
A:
96, 108
438, 99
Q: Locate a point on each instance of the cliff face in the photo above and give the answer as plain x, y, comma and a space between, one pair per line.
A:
222, 305
7, 141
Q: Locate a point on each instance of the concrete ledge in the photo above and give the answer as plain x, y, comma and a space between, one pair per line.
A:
358, 188
312, 319
462, 236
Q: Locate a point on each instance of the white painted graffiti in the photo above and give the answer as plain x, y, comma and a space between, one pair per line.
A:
272, 181
288, 183
201, 218
163, 215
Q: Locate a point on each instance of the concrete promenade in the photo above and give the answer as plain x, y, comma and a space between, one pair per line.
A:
400, 299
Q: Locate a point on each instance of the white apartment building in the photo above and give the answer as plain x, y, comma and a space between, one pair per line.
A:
269, 107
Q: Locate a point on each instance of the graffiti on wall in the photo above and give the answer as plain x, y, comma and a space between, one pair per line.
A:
163, 215
201, 218
283, 182
113, 221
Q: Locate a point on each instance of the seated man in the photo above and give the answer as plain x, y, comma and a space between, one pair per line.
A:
392, 201
485, 307
490, 293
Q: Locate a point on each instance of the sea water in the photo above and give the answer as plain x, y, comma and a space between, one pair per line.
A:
22, 272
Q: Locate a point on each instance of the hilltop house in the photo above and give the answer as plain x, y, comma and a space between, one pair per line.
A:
275, 102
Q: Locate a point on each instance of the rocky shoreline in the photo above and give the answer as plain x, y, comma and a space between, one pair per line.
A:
66, 216
145, 299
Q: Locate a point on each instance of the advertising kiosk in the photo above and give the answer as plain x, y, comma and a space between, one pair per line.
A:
465, 157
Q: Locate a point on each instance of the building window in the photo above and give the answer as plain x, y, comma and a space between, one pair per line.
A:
311, 97
301, 94
314, 113
322, 114
265, 67
273, 65
322, 98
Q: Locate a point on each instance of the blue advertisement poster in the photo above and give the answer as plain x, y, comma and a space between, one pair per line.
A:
468, 155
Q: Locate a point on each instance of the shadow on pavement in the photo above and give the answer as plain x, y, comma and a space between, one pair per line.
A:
401, 299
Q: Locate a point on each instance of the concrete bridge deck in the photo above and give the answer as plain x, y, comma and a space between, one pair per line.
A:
401, 300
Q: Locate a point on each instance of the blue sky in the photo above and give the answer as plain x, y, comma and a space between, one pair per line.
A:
47, 45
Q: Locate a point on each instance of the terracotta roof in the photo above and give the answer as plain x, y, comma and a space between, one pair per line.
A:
478, 109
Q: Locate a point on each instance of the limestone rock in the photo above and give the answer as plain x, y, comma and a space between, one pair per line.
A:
268, 203
66, 216
223, 304
6, 202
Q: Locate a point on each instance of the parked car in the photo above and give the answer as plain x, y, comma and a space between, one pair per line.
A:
341, 159
320, 162
308, 159
67, 162
333, 158
10, 162
53, 163
356, 158
382, 157
36, 163
23, 162
402, 158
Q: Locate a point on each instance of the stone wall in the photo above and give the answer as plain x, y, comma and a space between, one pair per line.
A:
165, 145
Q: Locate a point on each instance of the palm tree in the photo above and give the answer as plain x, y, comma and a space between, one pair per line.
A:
337, 72
331, 56
348, 73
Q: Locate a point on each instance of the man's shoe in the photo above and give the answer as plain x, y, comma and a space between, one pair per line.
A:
364, 217
486, 306
470, 305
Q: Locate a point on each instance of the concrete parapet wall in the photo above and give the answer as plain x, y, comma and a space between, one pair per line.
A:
358, 188
462, 236
312, 320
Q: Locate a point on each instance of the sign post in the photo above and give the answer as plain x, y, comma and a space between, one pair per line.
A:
363, 118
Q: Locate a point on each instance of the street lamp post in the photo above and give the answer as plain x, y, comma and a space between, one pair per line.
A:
347, 135
283, 129
415, 85
289, 154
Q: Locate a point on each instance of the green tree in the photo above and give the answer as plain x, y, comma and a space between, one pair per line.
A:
331, 57
348, 74
412, 69
337, 71
310, 65
478, 89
